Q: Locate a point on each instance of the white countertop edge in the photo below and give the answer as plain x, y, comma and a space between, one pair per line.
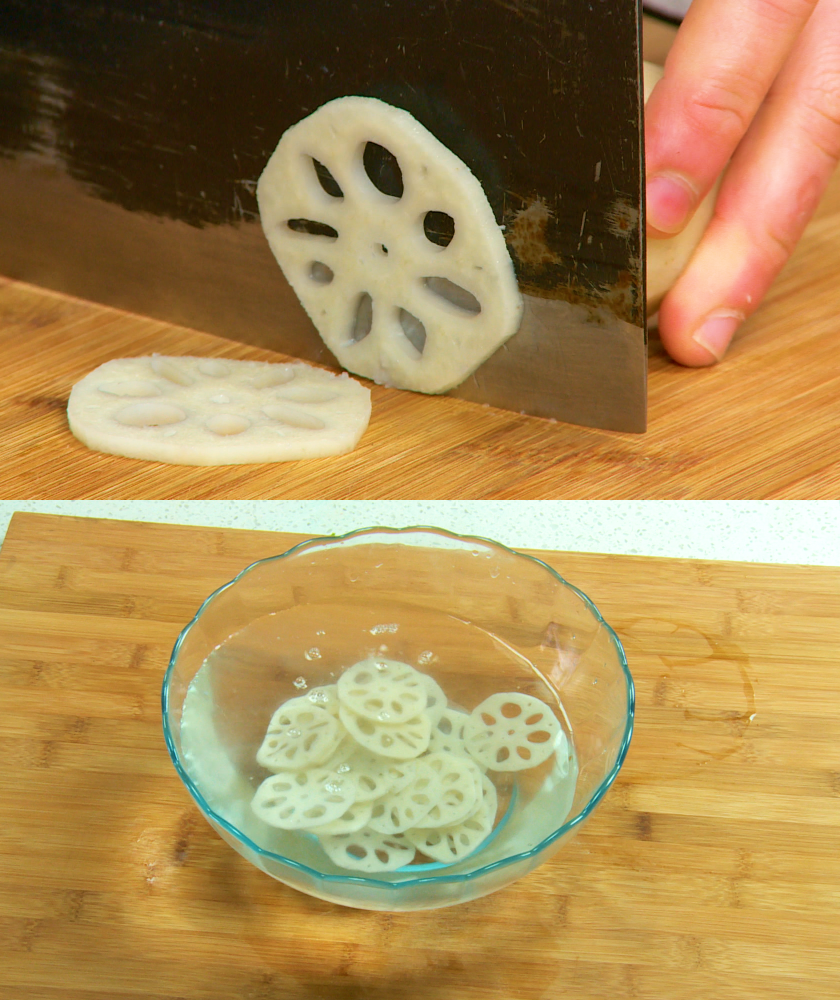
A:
792, 531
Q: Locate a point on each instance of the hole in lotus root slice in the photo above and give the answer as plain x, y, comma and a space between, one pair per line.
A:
303, 800
369, 851
499, 732
311, 227
299, 735
225, 424
293, 417
461, 780
401, 741
455, 295
398, 811
383, 690
383, 170
320, 273
130, 387
326, 179
449, 844
149, 414
362, 318
355, 818
169, 370
414, 330
436, 700
438, 228
213, 367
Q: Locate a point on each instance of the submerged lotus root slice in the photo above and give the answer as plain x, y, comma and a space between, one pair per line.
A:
390, 244
302, 800
355, 818
448, 732
462, 784
511, 732
325, 696
299, 735
372, 773
449, 844
401, 741
369, 851
208, 411
383, 690
399, 811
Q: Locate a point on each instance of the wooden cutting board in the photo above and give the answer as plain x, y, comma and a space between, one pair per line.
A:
765, 424
711, 870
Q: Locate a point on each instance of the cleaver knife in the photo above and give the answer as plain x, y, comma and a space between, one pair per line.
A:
132, 135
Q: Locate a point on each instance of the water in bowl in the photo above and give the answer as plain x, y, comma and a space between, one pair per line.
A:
285, 655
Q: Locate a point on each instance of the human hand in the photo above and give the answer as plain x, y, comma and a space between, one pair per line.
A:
757, 83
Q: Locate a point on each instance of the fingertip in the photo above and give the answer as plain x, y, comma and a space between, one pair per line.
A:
698, 342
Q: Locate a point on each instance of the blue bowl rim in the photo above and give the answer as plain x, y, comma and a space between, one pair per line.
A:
442, 876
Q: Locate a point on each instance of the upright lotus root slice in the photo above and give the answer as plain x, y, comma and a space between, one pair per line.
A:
383, 690
302, 800
511, 732
208, 411
436, 700
299, 735
369, 851
390, 244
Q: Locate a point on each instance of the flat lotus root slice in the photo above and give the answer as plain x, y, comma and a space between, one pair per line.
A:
461, 780
302, 800
393, 301
373, 774
325, 696
399, 811
369, 851
352, 820
299, 735
449, 844
511, 732
383, 690
209, 411
401, 741
448, 732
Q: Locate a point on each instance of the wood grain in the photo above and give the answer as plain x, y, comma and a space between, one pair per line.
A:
710, 870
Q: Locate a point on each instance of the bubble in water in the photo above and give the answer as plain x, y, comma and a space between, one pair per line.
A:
379, 629
333, 787
294, 733
320, 632
381, 665
312, 654
319, 697
384, 716
343, 768
494, 571
425, 657
300, 683
353, 577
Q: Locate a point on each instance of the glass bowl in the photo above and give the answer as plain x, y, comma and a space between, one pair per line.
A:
478, 618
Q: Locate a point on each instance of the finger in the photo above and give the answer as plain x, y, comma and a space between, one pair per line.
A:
769, 193
723, 61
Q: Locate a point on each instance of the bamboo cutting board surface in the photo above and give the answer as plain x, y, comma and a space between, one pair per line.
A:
710, 870
764, 424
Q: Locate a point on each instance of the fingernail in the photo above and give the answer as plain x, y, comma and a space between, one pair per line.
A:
716, 332
670, 200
